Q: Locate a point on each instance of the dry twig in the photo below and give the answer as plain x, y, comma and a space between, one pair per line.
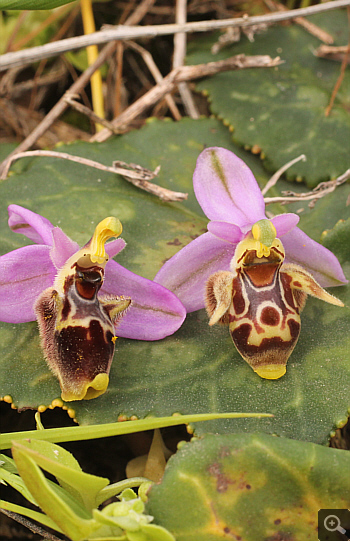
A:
158, 77
324, 188
307, 25
61, 105
280, 172
27, 56
179, 59
332, 53
183, 74
35, 528
89, 112
136, 174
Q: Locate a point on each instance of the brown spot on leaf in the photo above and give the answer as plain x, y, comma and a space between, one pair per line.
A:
280, 536
277, 521
175, 242
222, 482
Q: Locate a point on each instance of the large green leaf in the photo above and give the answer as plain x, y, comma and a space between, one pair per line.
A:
282, 110
249, 487
198, 368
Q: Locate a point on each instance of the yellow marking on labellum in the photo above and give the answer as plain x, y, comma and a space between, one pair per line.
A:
8, 399
261, 300
114, 339
87, 390
271, 371
108, 228
42, 408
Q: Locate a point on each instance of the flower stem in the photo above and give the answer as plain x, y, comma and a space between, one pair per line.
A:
92, 54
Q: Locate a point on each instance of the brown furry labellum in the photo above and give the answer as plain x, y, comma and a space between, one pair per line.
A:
261, 300
76, 325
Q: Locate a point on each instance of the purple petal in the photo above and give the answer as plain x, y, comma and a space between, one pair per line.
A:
285, 223
315, 258
63, 248
226, 188
228, 232
155, 312
24, 274
114, 247
187, 271
32, 225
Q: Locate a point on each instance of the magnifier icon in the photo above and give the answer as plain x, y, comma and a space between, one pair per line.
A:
332, 524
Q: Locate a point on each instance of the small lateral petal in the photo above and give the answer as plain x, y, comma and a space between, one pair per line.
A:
32, 225
315, 258
187, 271
226, 188
154, 312
229, 232
63, 248
24, 273
114, 247
284, 223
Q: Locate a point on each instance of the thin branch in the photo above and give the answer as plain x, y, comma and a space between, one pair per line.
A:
280, 172
27, 56
158, 77
332, 53
180, 41
89, 113
341, 75
324, 188
137, 175
35, 528
182, 74
307, 25
61, 105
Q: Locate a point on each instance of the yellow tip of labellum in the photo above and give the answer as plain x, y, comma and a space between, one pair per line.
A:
89, 390
108, 228
271, 371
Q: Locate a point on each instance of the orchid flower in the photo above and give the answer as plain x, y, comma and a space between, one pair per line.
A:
78, 297
250, 272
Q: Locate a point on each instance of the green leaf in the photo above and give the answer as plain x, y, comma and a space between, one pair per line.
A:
34, 515
14, 480
60, 463
58, 504
79, 433
251, 487
33, 4
281, 111
197, 369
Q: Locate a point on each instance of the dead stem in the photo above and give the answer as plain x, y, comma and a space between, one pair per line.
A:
136, 174
341, 75
322, 189
332, 53
180, 42
27, 56
89, 113
35, 528
158, 77
61, 105
280, 172
183, 74
314, 30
